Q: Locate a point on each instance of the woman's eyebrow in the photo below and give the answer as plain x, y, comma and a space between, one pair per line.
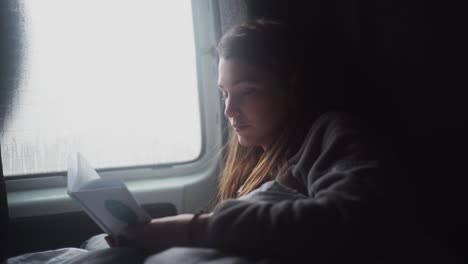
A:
248, 77
237, 82
243, 81
244, 77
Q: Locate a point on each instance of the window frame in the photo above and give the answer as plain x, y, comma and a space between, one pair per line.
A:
45, 193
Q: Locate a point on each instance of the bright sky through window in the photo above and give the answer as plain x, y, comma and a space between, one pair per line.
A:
113, 79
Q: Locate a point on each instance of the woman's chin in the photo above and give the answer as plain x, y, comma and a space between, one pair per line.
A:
245, 142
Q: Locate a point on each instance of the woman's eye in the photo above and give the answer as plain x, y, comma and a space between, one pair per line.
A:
223, 96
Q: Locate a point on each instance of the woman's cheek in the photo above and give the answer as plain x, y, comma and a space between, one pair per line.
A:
266, 114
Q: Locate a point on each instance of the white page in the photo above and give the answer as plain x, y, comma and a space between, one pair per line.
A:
102, 183
79, 172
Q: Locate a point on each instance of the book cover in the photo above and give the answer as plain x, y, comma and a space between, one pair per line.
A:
107, 201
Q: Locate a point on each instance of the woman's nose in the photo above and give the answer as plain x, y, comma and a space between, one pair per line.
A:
231, 108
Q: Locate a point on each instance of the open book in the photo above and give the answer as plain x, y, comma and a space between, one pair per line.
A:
107, 201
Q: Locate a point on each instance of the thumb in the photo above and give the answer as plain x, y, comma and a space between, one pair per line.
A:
132, 233
111, 241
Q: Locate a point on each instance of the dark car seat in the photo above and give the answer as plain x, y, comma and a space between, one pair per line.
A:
3, 215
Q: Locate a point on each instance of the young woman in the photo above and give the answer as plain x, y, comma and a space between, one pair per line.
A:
298, 180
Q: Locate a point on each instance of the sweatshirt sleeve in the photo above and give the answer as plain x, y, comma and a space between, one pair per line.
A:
344, 171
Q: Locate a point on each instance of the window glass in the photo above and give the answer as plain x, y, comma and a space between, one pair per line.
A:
113, 79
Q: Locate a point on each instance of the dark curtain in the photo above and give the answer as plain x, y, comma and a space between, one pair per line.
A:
3, 215
10, 52
400, 64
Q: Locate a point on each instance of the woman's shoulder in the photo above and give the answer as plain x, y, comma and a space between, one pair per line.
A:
329, 127
332, 123
336, 119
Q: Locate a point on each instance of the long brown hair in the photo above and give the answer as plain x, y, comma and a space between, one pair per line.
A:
269, 45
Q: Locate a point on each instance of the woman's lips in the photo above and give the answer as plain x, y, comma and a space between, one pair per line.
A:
240, 127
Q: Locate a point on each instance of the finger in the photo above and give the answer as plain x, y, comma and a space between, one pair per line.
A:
133, 236
132, 232
123, 242
110, 241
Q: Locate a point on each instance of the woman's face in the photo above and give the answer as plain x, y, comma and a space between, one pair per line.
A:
255, 102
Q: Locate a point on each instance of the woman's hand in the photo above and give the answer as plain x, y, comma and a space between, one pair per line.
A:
165, 232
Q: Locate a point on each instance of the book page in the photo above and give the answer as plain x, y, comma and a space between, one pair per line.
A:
79, 172
101, 183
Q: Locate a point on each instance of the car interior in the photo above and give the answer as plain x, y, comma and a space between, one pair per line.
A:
400, 65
